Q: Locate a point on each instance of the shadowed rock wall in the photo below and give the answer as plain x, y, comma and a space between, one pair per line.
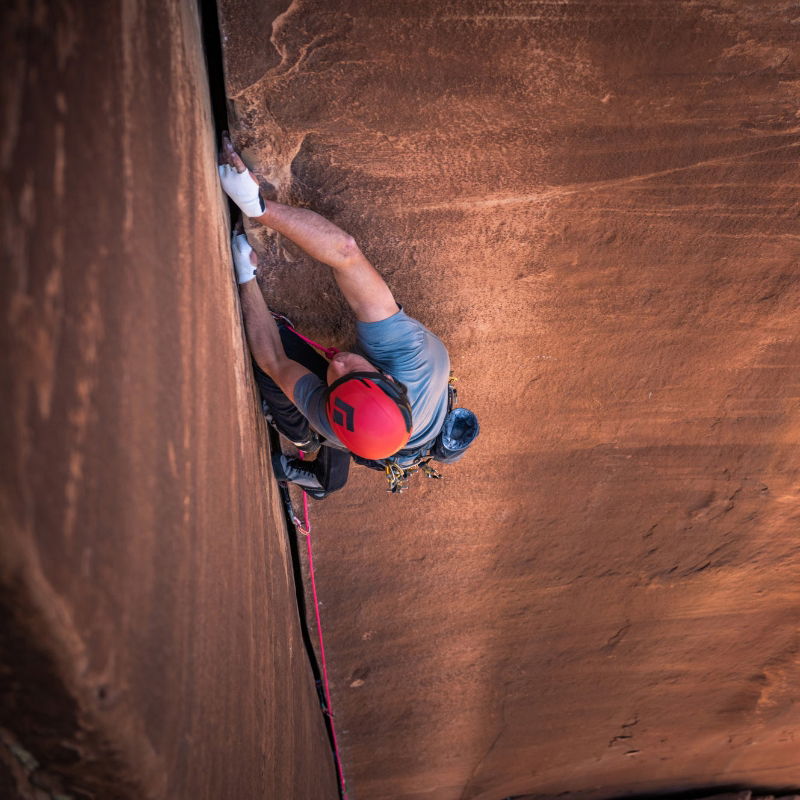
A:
595, 205
150, 645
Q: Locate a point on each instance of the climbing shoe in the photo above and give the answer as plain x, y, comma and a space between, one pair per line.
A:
294, 471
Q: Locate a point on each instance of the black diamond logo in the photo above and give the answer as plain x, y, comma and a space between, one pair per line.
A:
349, 411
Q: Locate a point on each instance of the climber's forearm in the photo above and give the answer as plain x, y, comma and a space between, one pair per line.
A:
362, 286
265, 340
317, 236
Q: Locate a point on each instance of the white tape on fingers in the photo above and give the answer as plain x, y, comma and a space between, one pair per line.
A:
242, 189
240, 247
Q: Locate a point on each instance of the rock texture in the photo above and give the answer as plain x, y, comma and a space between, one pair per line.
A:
149, 643
595, 205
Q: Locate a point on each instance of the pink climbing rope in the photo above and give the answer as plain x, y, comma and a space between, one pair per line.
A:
306, 530
329, 352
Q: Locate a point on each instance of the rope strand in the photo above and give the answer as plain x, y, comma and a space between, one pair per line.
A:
325, 687
329, 352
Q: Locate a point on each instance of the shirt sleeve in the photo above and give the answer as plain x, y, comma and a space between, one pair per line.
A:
391, 340
309, 397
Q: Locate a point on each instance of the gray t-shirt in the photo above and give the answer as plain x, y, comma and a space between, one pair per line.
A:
411, 354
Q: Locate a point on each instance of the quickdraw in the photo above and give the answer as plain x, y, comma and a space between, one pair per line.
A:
397, 476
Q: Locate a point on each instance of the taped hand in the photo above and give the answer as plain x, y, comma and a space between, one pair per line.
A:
242, 258
242, 189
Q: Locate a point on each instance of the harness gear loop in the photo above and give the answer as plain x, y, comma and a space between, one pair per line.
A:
396, 477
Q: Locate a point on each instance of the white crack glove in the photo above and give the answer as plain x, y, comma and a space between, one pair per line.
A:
245, 271
242, 189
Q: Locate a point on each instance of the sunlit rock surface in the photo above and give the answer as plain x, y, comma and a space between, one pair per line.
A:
149, 645
595, 205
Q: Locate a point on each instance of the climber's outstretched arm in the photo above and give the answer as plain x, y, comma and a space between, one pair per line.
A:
262, 332
362, 286
265, 340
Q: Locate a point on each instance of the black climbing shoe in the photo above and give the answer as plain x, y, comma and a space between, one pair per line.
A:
294, 471
309, 445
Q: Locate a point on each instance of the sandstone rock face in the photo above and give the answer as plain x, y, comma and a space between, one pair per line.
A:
595, 205
149, 637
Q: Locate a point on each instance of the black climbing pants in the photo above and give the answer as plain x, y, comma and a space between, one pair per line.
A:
331, 467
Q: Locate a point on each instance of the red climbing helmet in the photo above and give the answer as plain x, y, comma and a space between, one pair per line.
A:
369, 413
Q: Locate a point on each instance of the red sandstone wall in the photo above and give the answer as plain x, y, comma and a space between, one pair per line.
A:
595, 205
149, 639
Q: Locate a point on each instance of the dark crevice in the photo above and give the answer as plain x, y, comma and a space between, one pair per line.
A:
274, 446
292, 535
215, 66
215, 70
212, 45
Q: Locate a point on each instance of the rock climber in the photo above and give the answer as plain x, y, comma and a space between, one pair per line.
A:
386, 402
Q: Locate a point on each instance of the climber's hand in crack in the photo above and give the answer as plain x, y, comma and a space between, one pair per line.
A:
237, 181
244, 257
361, 284
229, 156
